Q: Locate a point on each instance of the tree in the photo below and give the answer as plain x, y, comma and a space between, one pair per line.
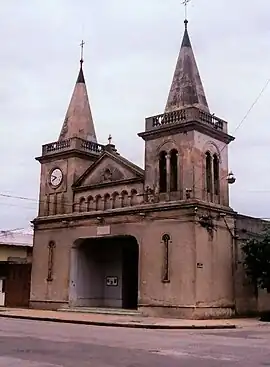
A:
257, 260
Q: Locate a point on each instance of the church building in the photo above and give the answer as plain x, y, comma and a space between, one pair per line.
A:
159, 240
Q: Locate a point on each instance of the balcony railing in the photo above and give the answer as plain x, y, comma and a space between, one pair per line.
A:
185, 115
72, 143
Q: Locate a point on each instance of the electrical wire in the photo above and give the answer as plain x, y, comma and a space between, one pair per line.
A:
66, 204
243, 119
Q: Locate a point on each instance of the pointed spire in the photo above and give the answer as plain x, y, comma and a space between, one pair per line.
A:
78, 121
80, 78
186, 89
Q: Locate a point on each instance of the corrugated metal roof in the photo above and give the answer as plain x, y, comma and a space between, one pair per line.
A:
21, 237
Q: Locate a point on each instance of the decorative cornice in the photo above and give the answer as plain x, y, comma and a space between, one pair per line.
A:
143, 208
184, 128
107, 184
67, 154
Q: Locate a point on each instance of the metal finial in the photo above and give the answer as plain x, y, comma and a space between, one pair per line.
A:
110, 139
185, 3
82, 45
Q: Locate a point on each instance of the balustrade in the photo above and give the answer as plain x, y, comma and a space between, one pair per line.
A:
185, 115
72, 143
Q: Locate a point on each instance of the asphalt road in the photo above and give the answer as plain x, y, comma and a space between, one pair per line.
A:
42, 344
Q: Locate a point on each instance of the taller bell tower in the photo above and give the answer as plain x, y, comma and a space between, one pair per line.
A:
186, 147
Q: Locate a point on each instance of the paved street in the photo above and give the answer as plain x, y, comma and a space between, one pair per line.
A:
27, 343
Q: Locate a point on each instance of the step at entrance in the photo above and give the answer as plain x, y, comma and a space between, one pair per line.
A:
104, 311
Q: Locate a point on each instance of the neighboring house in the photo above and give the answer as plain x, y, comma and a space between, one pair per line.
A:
15, 267
159, 239
246, 302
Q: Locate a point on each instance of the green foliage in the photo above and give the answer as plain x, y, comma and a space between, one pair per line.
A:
257, 260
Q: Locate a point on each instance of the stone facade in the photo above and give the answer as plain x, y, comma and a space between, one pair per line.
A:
110, 234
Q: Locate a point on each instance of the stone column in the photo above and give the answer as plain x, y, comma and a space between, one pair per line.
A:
73, 276
212, 195
179, 181
55, 204
47, 205
168, 172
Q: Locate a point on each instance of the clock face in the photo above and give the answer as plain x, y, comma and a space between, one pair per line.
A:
56, 177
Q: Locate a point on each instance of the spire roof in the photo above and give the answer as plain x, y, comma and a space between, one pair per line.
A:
186, 89
78, 120
80, 78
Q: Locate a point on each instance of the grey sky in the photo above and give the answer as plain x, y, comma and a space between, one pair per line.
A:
130, 54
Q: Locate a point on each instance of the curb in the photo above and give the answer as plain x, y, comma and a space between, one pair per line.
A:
122, 325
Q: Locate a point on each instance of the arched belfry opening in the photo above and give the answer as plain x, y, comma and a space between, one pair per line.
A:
216, 174
208, 173
104, 272
174, 170
162, 172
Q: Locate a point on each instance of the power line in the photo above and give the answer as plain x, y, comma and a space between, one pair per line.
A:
243, 119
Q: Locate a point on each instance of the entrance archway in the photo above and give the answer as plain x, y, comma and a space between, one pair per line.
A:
104, 272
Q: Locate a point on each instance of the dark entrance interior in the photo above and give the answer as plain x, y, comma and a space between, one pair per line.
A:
130, 276
107, 274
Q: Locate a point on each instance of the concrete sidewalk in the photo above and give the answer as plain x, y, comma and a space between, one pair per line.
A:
124, 320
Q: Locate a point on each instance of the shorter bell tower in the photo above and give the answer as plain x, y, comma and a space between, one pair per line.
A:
64, 160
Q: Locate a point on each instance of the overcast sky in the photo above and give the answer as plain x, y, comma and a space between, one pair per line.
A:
130, 54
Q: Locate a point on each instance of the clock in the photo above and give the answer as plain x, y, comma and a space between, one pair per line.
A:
56, 177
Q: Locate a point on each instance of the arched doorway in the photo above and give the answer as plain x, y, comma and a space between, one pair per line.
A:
104, 272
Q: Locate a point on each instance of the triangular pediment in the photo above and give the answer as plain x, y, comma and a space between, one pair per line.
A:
110, 168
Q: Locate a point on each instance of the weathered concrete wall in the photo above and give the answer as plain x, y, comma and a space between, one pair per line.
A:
246, 302
214, 273
189, 288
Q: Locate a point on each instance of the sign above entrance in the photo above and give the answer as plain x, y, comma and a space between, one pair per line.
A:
112, 281
103, 230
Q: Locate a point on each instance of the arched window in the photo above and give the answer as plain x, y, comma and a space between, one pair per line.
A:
166, 239
106, 202
125, 198
162, 172
174, 170
216, 174
208, 172
99, 203
133, 199
115, 200
82, 205
90, 203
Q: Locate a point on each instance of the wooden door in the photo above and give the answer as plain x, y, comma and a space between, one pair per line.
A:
18, 285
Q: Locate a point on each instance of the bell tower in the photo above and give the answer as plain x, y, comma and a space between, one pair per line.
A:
64, 160
186, 147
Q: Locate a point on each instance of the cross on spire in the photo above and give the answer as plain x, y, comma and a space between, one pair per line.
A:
82, 45
110, 139
185, 3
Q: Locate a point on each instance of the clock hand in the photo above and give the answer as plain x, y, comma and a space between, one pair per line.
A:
54, 178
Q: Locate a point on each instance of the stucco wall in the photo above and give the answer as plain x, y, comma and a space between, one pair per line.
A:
214, 261
188, 287
246, 302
